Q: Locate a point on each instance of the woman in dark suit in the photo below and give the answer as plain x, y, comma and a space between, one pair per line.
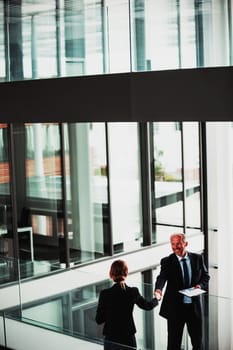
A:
175, 307
115, 309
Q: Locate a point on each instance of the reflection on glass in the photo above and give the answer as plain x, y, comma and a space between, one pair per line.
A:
5, 199
118, 36
42, 208
168, 173
164, 232
2, 43
191, 174
4, 162
72, 38
43, 166
162, 40
84, 37
39, 45
125, 187
86, 186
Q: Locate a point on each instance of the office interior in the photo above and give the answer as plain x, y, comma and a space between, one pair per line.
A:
116, 131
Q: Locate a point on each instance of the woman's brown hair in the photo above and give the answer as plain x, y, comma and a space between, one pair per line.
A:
118, 271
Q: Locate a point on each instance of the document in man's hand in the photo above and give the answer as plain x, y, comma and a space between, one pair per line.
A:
192, 292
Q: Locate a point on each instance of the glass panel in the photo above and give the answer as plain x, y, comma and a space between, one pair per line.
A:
138, 38
192, 175
6, 235
187, 38
118, 39
39, 45
168, 174
42, 211
163, 232
71, 38
161, 38
2, 44
86, 186
216, 32
125, 186
84, 39
4, 163
43, 166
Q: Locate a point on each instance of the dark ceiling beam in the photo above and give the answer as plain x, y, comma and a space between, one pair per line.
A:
200, 94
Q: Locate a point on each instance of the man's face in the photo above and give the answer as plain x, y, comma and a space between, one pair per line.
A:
178, 246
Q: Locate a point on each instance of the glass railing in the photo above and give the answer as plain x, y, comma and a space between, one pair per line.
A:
70, 318
13, 270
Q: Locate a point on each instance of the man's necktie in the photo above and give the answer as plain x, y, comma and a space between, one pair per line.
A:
186, 274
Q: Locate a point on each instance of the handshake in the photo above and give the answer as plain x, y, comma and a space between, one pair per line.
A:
158, 294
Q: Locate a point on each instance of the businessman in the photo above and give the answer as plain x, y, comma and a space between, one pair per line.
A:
180, 270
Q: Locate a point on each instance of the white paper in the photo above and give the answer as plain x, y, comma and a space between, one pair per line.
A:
192, 292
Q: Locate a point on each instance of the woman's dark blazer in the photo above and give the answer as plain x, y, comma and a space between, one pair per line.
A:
172, 274
115, 310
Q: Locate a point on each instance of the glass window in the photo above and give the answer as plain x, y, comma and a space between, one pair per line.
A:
84, 38
192, 175
39, 44
162, 41
2, 44
168, 174
117, 36
125, 186
40, 200
87, 191
5, 198
4, 161
170, 186
43, 166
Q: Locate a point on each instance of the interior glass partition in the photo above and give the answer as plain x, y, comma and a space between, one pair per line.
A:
118, 36
87, 191
70, 38
41, 218
192, 180
8, 266
39, 59
168, 175
2, 43
125, 186
177, 178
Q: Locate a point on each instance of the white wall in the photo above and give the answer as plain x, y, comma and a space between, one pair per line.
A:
220, 204
21, 336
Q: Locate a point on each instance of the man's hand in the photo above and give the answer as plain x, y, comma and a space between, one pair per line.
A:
158, 294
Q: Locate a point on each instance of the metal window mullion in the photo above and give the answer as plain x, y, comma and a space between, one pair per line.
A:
183, 176
229, 13
199, 33
152, 176
204, 189
104, 36
204, 213
145, 183
58, 36
149, 319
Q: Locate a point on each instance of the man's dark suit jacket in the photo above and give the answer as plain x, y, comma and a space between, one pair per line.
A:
172, 274
115, 310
